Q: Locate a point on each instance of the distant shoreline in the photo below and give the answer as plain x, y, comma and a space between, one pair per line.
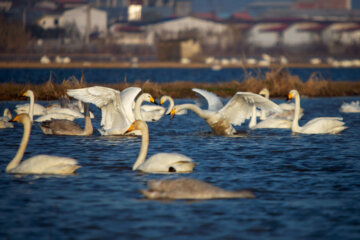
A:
88, 64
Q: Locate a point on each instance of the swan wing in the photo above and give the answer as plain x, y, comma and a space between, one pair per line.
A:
100, 96
167, 162
239, 107
324, 125
214, 102
50, 116
127, 97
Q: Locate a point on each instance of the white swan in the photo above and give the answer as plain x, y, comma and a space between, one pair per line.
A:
268, 122
288, 108
353, 107
4, 120
319, 125
40, 164
169, 99
116, 107
187, 188
161, 162
147, 112
238, 108
32, 108
67, 127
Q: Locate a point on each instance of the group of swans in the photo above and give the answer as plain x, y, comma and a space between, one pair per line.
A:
55, 111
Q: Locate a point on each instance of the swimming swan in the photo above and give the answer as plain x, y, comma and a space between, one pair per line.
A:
186, 188
169, 99
238, 108
268, 122
160, 162
31, 108
319, 125
353, 107
40, 164
67, 127
288, 108
4, 120
116, 107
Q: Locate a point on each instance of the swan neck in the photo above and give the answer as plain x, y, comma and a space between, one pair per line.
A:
144, 148
31, 107
295, 123
171, 104
137, 109
252, 122
198, 111
20, 153
88, 130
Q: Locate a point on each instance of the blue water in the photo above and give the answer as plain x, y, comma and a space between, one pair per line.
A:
160, 75
306, 186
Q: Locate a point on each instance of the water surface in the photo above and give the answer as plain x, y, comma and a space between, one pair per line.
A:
307, 186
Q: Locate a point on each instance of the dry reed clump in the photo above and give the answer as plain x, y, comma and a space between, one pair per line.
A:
278, 81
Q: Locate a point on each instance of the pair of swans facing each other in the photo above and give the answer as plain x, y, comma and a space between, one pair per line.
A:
40, 164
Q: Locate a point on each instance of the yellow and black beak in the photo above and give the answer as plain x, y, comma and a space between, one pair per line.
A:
130, 128
24, 94
152, 100
289, 97
172, 113
161, 102
15, 119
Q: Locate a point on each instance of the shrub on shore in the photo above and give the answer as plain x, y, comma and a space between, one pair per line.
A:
278, 81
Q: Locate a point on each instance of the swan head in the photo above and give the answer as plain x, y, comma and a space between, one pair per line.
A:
28, 93
163, 99
264, 92
147, 97
7, 113
292, 94
137, 125
21, 118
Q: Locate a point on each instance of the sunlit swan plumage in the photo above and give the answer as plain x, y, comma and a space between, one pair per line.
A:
4, 120
210, 99
40, 164
268, 122
353, 107
141, 114
237, 109
160, 162
187, 188
67, 127
319, 125
31, 108
116, 107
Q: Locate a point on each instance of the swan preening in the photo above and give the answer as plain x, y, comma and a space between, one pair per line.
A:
185, 188
67, 127
320, 125
40, 164
235, 112
353, 107
160, 162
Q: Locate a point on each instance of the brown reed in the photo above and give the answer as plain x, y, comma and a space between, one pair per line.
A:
279, 82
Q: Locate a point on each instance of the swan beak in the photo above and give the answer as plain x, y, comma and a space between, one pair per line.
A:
130, 128
161, 102
172, 113
15, 119
24, 94
289, 97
